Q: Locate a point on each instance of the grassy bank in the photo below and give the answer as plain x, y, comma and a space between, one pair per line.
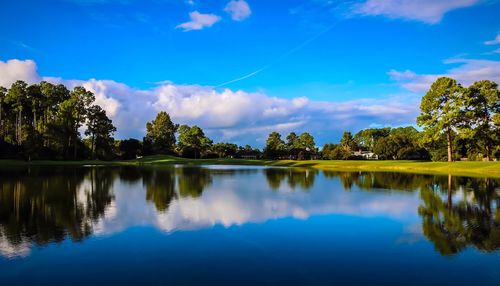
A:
489, 169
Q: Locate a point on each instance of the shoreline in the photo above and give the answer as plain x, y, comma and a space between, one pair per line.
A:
471, 169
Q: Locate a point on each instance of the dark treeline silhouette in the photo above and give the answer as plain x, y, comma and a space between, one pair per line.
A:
45, 121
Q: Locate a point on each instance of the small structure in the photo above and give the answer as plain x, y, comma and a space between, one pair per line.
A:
368, 155
248, 154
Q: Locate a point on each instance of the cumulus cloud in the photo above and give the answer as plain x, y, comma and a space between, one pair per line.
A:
495, 41
468, 71
13, 70
199, 21
238, 9
427, 11
233, 115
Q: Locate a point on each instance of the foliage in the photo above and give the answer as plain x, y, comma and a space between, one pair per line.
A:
129, 148
161, 133
400, 144
225, 150
366, 139
44, 121
193, 142
275, 147
441, 112
100, 129
482, 106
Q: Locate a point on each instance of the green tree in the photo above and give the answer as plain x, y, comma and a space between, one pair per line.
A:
347, 141
367, 138
100, 129
440, 112
72, 114
292, 141
482, 105
275, 147
327, 151
161, 132
306, 142
17, 97
224, 150
402, 143
193, 139
3, 95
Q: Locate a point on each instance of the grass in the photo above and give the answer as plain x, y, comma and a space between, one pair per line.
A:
476, 169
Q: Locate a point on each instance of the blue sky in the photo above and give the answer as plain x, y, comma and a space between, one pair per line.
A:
323, 66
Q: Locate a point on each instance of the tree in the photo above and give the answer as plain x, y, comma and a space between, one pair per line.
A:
130, 148
275, 147
17, 98
292, 141
193, 139
161, 132
35, 99
401, 143
3, 95
72, 114
347, 142
100, 129
224, 150
306, 142
482, 105
440, 111
367, 138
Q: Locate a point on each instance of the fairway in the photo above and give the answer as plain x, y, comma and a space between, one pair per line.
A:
463, 168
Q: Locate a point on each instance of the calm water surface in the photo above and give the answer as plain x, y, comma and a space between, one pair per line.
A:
227, 225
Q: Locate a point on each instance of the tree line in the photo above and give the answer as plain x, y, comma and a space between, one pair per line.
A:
47, 121
44, 121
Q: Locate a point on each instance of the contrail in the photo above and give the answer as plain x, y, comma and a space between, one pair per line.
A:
290, 52
243, 77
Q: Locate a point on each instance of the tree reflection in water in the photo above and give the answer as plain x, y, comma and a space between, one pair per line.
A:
47, 205
43, 205
456, 212
160, 186
294, 177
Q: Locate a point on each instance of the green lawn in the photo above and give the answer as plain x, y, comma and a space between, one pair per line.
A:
490, 169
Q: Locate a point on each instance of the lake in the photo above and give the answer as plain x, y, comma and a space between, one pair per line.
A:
230, 225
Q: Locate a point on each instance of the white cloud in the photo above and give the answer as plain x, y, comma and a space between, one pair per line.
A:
13, 70
199, 21
496, 41
235, 115
468, 71
428, 11
238, 9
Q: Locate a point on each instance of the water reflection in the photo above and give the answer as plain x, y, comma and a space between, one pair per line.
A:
48, 205
461, 212
294, 177
456, 211
44, 205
